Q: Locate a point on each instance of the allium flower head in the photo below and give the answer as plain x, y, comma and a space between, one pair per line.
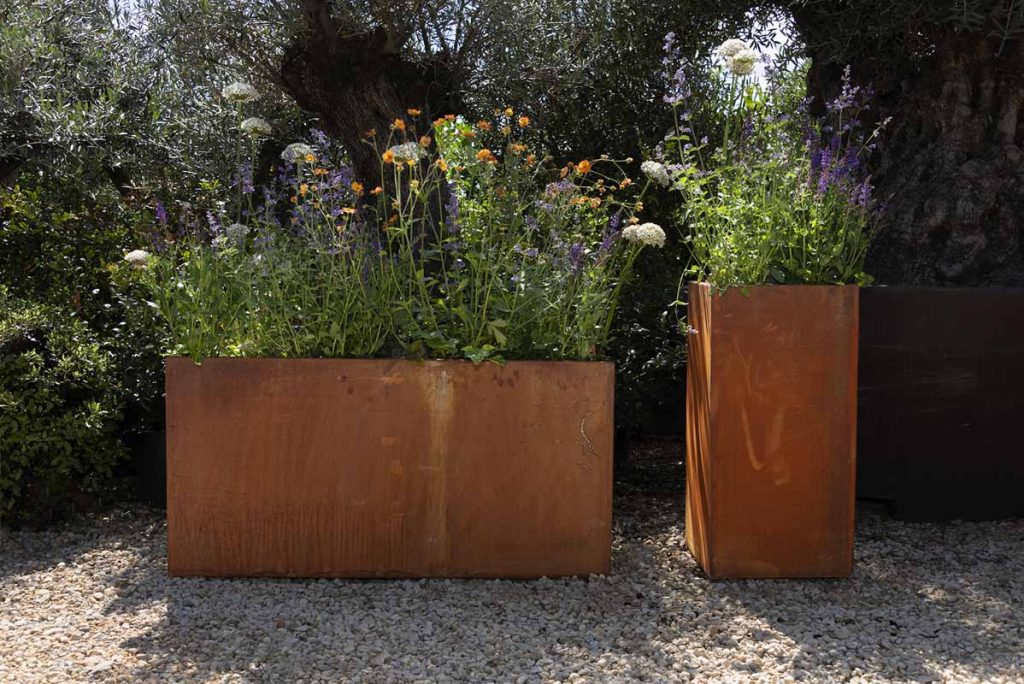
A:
236, 231
138, 258
296, 152
239, 92
407, 152
649, 234
731, 48
656, 172
256, 127
743, 62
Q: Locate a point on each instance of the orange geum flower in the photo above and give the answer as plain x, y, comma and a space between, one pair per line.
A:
349, 210
310, 158
626, 182
377, 190
303, 189
442, 164
595, 202
524, 121
388, 157
633, 220
357, 187
583, 167
564, 172
485, 155
508, 111
531, 158
483, 125
398, 125
371, 133
413, 112
425, 140
517, 148
468, 134
449, 117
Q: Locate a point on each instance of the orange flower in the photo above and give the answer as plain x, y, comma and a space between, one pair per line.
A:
508, 111
595, 202
524, 121
583, 167
377, 190
439, 121
468, 134
310, 158
442, 164
413, 112
485, 155
399, 125
517, 148
357, 187
294, 199
633, 220
349, 210
626, 182
449, 117
564, 172
320, 172
393, 219
371, 133
483, 125
303, 189
425, 140
506, 130
531, 158
388, 157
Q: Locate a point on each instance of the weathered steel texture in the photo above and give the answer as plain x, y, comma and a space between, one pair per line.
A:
384, 468
771, 416
941, 405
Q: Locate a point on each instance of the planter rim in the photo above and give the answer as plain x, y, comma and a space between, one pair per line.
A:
772, 286
988, 289
393, 361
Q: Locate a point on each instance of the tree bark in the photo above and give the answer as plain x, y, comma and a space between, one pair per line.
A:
356, 80
949, 170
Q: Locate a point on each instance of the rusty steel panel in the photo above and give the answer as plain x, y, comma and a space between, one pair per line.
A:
771, 430
388, 468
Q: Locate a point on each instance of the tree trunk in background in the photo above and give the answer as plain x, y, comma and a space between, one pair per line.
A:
950, 166
357, 81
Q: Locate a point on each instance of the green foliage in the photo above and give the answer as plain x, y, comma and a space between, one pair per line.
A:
60, 404
510, 272
782, 199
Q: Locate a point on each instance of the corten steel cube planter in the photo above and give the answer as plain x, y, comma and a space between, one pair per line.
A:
771, 409
385, 468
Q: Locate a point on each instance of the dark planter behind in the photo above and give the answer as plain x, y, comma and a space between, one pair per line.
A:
941, 402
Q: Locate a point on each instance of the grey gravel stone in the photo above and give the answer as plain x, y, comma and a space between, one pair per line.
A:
927, 603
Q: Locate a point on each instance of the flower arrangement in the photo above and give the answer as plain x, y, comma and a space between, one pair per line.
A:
783, 197
471, 246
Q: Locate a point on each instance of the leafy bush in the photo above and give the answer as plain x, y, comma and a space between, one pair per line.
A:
783, 199
462, 255
60, 405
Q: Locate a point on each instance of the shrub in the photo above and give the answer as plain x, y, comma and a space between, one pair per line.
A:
782, 199
60, 404
466, 253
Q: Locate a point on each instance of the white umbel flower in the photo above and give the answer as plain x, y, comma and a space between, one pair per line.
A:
731, 48
256, 127
743, 62
138, 258
239, 93
237, 231
408, 152
296, 152
649, 234
656, 172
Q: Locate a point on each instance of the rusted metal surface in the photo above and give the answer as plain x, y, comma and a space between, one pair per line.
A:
383, 468
771, 416
941, 406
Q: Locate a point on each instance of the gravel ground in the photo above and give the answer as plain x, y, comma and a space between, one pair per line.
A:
926, 603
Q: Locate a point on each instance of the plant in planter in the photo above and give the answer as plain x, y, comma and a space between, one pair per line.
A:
778, 218
329, 409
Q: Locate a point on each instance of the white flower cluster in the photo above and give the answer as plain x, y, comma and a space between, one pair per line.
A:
237, 231
649, 234
138, 258
239, 92
408, 152
738, 56
296, 152
256, 127
656, 172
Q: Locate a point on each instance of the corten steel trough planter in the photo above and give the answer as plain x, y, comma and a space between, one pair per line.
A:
941, 404
771, 409
385, 468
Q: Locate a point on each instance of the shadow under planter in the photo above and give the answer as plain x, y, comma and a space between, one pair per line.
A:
388, 468
770, 437
941, 401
